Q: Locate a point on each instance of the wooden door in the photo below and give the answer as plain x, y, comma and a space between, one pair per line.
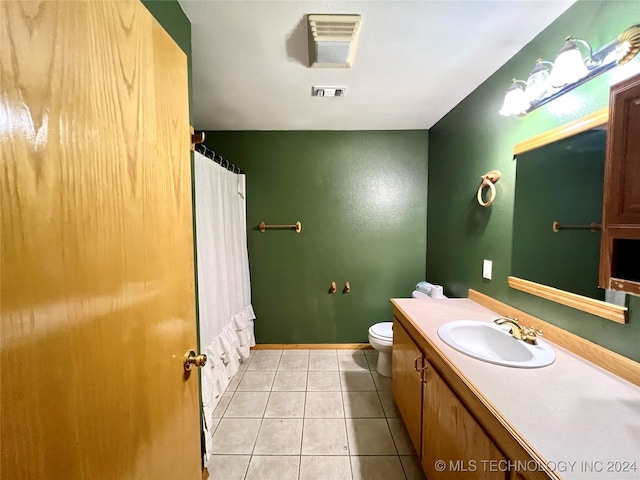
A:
97, 286
406, 382
454, 445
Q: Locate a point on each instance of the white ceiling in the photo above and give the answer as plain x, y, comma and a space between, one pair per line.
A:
414, 62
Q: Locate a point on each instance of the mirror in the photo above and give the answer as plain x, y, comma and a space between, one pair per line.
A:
560, 182
557, 212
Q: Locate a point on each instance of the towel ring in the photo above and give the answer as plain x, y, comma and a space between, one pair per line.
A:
488, 180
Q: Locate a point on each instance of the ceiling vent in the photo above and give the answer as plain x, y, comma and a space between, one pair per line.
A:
333, 40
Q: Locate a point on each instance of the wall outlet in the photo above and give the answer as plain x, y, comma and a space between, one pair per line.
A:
487, 267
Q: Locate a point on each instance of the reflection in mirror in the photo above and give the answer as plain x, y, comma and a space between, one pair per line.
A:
561, 182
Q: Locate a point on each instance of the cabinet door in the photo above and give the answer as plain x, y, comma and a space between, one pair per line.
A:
454, 446
407, 361
622, 175
619, 267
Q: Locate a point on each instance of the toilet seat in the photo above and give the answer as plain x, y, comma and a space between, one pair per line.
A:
382, 331
419, 294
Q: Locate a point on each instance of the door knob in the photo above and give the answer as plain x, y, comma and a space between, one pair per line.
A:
190, 359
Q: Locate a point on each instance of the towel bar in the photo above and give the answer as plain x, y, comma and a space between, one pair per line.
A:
296, 226
556, 227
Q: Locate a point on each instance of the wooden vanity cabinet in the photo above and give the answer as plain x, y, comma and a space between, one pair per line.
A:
620, 243
445, 419
407, 362
451, 435
439, 425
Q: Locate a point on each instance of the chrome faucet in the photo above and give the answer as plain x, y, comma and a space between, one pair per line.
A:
529, 335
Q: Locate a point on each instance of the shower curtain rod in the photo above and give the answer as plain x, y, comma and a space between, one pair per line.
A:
223, 162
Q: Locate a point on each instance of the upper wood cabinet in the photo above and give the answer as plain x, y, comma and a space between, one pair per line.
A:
620, 244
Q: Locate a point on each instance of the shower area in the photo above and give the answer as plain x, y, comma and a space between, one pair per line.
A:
224, 291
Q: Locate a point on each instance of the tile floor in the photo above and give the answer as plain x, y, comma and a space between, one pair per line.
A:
310, 415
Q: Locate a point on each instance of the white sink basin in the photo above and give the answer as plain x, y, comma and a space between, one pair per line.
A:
490, 343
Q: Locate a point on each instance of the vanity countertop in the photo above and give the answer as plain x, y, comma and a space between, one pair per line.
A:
583, 420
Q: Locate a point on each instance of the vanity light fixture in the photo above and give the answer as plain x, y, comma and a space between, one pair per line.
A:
538, 81
628, 44
515, 100
569, 71
569, 66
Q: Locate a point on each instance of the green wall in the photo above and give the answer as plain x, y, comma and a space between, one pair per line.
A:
361, 198
473, 139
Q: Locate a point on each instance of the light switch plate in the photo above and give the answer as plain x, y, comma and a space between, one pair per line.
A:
487, 267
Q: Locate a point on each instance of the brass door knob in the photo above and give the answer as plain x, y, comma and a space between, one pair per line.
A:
190, 359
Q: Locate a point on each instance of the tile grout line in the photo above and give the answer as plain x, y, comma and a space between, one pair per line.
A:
242, 372
391, 432
246, 471
261, 421
344, 412
304, 415
386, 417
393, 439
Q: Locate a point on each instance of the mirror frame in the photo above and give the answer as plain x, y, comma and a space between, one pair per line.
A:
599, 308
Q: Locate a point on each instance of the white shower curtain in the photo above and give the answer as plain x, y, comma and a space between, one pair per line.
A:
224, 291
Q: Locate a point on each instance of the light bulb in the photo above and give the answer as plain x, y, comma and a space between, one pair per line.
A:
538, 82
569, 66
515, 101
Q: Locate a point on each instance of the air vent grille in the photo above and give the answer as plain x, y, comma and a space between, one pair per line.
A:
330, 27
333, 40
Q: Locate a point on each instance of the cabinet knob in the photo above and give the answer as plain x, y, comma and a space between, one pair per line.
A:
415, 364
425, 374
420, 370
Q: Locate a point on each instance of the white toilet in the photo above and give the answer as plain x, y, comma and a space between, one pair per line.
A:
381, 339
419, 294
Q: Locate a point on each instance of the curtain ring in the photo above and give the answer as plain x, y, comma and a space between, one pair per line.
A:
488, 180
